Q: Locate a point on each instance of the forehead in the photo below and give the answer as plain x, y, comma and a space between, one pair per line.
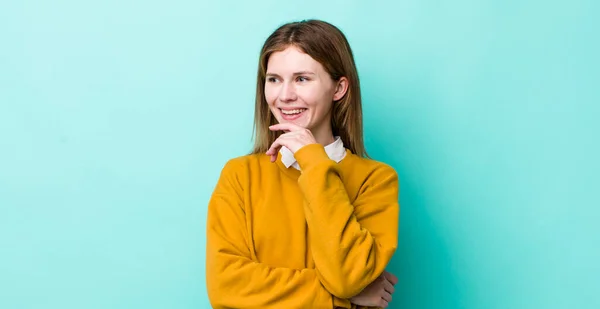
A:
292, 60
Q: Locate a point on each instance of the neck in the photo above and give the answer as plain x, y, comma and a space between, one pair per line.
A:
324, 137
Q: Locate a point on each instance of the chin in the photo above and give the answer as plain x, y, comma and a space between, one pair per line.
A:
298, 122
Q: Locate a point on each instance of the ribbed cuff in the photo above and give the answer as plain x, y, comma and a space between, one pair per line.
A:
341, 303
311, 155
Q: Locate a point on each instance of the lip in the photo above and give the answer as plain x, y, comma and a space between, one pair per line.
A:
291, 117
290, 108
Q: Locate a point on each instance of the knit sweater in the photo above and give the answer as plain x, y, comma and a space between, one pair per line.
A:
280, 237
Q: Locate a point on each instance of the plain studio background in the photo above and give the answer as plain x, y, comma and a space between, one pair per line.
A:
117, 116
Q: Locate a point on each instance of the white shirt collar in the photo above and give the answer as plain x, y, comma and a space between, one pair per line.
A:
335, 151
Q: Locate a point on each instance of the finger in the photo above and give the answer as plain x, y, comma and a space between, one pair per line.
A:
285, 127
285, 139
274, 148
390, 277
282, 140
383, 303
387, 297
277, 143
388, 287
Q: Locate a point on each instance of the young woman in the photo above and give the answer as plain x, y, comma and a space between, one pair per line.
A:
306, 220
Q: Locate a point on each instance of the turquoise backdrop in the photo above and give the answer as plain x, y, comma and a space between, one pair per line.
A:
117, 116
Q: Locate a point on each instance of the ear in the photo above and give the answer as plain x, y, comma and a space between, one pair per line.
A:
340, 89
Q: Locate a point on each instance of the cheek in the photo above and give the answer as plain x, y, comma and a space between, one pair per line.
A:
309, 95
270, 95
316, 97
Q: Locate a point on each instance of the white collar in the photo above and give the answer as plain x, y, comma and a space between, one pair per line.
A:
335, 151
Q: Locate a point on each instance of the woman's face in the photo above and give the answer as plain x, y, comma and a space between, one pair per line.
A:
300, 91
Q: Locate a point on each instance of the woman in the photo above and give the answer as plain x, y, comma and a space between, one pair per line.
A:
305, 220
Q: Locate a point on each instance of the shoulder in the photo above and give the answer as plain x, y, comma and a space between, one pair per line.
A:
240, 172
368, 165
369, 170
242, 165
234, 174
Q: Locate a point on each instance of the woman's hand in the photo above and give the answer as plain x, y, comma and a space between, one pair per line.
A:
295, 138
378, 293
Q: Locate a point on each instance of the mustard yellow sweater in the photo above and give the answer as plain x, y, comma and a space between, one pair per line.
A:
282, 238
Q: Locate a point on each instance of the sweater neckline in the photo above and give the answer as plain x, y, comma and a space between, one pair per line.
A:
294, 173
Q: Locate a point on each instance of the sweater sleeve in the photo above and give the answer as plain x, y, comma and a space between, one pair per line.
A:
351, 243
234, 278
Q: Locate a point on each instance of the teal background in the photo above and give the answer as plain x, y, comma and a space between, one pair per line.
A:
117, 116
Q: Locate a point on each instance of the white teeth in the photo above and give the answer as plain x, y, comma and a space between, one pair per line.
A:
293, 111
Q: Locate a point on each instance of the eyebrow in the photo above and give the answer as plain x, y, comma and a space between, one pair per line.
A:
295, 74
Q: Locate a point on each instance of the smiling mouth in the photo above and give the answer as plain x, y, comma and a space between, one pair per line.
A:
292, 112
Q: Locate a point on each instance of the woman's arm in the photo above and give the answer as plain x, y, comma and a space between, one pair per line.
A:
351, 243
234, 279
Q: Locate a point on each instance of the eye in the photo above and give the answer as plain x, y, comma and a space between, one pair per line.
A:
302, 79
271, 79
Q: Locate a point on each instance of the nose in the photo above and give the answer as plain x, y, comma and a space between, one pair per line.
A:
287, 92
